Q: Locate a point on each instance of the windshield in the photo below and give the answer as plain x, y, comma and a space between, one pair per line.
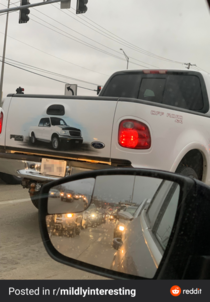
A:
131, 210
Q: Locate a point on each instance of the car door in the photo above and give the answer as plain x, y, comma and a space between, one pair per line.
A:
46, 130
39, 130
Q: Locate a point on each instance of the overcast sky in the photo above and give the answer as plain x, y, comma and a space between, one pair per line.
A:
173, 29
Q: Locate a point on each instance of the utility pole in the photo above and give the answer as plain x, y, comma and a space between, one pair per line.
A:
189, 64
3, 57
127, 58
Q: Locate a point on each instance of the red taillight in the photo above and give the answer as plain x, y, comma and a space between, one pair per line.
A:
1, 121
134, 135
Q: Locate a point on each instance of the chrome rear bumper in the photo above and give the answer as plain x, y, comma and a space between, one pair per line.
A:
24, 169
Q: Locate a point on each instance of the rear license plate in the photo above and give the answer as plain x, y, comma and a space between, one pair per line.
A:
53, 167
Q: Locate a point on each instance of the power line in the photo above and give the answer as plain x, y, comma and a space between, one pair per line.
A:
82, 41
122, 41
50, 72
85, 35
78, 40
54, 56
44, 75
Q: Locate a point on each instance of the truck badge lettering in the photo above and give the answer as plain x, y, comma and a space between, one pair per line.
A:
178, 118
157, 113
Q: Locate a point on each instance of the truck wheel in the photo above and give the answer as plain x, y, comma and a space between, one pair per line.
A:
55, 142
35, 200
187, 171
10, 179
33, 139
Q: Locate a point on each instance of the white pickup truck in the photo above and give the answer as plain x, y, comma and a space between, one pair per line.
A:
156, 119
54, 130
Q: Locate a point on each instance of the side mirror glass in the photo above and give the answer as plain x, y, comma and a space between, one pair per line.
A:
117, 222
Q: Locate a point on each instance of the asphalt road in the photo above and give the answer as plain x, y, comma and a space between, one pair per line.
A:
23, 255
93, 245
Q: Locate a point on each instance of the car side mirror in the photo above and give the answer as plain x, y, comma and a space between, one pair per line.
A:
162, 240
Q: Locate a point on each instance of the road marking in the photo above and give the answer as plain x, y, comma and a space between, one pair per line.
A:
14, 201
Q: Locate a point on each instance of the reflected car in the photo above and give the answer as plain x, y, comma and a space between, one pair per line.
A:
69, 224
94, 216
53, 193
77, 196
125, 216
66, 196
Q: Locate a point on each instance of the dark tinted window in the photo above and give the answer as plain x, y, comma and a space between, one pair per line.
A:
152, 89
57, 121
123, 85
41, 123
56, 110
174, 90
45, 122
184, 92
179, 90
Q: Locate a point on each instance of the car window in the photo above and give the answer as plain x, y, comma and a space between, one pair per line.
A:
163, 225
157, 200
124, 85
46, 122
131, 210
152, 89
41, 123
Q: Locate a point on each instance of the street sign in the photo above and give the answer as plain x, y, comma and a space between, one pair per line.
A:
70, 89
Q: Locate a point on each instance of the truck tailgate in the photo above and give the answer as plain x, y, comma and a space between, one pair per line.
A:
92, 117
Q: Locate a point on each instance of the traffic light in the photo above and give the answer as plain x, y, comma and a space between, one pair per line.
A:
81, 6
98, 89
20, 90
23, 14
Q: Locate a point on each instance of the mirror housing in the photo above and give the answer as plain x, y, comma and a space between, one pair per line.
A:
187, 239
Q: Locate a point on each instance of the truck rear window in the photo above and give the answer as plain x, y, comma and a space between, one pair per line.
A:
179, 90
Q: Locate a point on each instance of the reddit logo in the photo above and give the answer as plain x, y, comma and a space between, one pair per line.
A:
175, 290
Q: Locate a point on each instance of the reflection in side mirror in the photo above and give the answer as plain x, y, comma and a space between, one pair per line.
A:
117, 243
70, 197
118, 222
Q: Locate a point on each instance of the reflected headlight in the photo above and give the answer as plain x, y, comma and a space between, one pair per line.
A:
70, 215
65, 132
121, 228
51, 193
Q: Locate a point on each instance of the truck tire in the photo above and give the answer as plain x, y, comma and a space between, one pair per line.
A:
33, 139
187, 171
10, 179
35, 200
55, 142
